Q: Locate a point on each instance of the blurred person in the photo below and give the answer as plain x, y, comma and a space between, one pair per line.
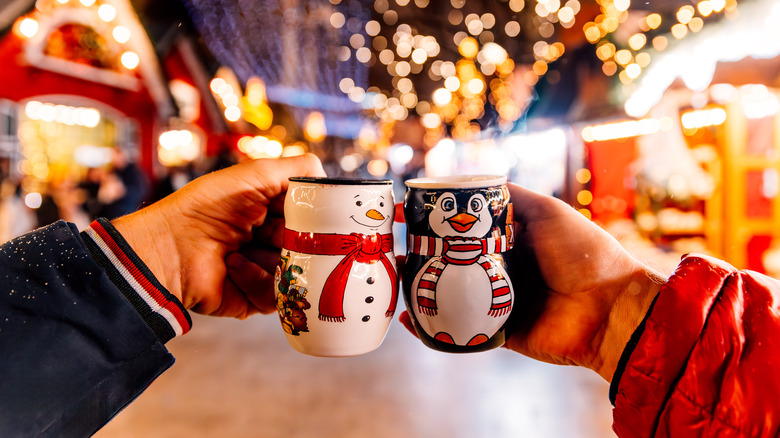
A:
226, 157
102, 188
175, 178
688, 355
135, 185
68, 200
16, 218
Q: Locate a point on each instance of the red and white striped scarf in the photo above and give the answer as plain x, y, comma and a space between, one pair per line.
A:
461, 251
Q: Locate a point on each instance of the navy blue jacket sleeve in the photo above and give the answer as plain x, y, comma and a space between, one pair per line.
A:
74, 348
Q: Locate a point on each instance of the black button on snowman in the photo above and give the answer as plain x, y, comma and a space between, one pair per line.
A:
455, 285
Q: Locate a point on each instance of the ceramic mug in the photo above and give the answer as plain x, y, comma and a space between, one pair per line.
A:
455, 285
337, 283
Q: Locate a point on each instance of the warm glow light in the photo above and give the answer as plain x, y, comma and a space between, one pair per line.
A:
660, 42
468, 47
622, 5
685, 13
653, 21
337, 20
494, 53
378, 167
130, 60
431, 121
583, 176
452, 83
512, 28
232, 113
255, 91
696, 24
47, 112
476, 86
679, 30
28, 27
33, 200
633, 70
584, 197
121, 34
702, 118
612, 131
87, 2
637, 41
623, 57
177, 147
419, 56
442, 96
274, 149
293, 151
314, 128
106, 12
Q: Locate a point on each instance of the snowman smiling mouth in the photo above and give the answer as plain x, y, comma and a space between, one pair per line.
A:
375, 216
462, 222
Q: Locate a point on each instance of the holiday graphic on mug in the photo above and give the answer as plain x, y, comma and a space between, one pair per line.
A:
459, 293
291, 298
337, 284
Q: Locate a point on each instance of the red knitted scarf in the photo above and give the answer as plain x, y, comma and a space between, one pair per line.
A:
354, 247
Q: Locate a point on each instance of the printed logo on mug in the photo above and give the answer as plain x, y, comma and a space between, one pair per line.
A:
337, 282
455, 284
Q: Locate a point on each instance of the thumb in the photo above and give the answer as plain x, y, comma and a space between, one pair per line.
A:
271, 176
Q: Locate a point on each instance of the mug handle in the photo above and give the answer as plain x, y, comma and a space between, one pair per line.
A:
399, 212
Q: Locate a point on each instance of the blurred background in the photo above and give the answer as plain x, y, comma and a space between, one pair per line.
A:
658, 120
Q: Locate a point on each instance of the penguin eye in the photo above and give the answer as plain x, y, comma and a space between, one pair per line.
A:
475, 204
448, 204
359, 203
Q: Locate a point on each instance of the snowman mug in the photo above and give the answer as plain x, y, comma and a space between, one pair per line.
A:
455, 285
337, 283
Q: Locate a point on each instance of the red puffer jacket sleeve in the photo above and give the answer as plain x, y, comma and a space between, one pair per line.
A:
707, 363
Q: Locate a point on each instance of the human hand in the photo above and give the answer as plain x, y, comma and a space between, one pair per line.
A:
189, 238
579, 294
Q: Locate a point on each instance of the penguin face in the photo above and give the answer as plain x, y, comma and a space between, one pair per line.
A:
465, 214
369, 211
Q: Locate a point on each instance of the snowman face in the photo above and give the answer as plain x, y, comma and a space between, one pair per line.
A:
369, 210
339, 209
466, 215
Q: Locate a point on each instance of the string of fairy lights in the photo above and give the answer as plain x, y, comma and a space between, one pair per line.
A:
460, 65
627, 57
483, 71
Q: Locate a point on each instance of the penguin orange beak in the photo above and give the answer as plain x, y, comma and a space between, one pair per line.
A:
462, 222
374, 214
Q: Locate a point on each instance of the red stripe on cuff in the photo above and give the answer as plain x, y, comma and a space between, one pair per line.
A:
152, 291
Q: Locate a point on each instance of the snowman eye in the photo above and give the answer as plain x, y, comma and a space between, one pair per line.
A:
381, 204
359, 203
476, 205
448, 204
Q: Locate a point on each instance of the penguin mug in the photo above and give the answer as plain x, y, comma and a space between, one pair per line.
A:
336, 283
456, 288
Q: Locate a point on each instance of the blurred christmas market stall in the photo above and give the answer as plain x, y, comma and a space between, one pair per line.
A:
660, 114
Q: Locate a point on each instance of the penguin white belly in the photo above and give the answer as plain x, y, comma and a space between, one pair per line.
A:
464, 296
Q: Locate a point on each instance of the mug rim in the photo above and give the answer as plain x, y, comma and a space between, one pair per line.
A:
456, 182
339, 181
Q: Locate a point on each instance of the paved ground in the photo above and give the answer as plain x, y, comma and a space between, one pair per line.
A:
241, 379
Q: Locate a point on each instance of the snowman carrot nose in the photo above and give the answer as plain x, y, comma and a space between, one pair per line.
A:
374, 214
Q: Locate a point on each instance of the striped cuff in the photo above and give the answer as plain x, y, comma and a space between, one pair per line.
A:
162, 311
